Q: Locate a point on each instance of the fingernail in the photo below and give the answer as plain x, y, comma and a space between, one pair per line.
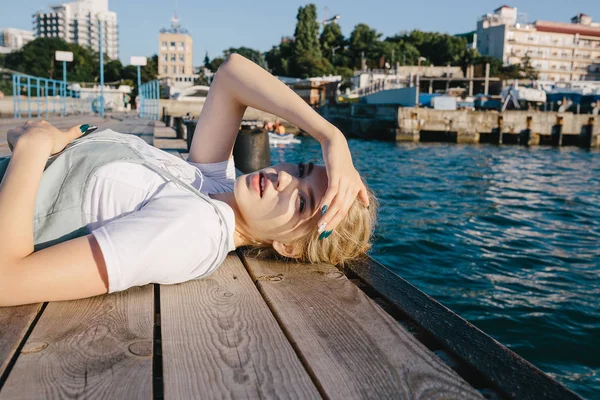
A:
323, 235
321, 227
84, 128
324, 209
328, 233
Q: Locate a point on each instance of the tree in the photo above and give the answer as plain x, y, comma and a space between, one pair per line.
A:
206, 60
278, 58
332, 38
113, 71
251, 54
437, 48
216, 63
307, 59
527, 70
363, 40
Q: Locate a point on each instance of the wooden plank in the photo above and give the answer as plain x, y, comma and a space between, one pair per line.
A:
219, 340
99, 347
15, 321
512, 375
353, 348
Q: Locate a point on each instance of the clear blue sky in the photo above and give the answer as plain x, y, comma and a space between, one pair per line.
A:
217, 25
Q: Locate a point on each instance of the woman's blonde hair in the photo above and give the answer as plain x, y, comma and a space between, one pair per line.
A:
350, 239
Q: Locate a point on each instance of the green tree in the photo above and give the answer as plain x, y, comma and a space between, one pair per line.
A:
437, 48
251, 54
216, 63
113, 71
307, 59
363, 40
332, 38
528, 71
278, 58
206, 60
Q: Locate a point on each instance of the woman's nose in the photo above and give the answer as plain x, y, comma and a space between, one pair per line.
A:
283, 180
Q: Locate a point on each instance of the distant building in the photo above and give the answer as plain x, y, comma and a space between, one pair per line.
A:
79, 22
561, 52
175, 52
12, 39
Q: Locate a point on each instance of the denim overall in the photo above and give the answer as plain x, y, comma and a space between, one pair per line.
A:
59, 215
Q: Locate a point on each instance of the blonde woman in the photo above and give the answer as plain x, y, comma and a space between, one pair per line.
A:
111, 212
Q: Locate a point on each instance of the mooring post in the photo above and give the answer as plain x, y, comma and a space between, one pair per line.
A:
179, 126
587, 134
497, 135
525, 135
557, 131
251, 149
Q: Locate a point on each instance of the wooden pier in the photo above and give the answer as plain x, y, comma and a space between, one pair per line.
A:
256, 329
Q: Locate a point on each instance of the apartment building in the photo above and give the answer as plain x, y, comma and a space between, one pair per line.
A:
560, 52
79, 22
12, 39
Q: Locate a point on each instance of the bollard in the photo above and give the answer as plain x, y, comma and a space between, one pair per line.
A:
497, 134
190, 127
178, 126
525, 134
251, 150
587, 134
168, 121
164, 115
557, 131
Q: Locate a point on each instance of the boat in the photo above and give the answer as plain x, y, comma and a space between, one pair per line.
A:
276, 139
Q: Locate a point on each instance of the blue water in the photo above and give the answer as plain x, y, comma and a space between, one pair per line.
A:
508, 237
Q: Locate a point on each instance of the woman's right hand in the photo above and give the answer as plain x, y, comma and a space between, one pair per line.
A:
43, 131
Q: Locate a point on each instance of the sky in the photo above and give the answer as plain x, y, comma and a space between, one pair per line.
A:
216, 25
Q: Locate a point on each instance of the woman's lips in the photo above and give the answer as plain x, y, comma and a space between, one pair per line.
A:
255, 182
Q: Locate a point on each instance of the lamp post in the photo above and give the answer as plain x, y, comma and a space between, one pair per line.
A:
64, 56
333, 49
332, 19
418, 77
139, 62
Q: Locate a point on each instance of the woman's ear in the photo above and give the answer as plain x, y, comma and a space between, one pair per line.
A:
286, 250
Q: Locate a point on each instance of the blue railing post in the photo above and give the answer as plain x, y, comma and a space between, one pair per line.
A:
39, 98
15, 95
28, 97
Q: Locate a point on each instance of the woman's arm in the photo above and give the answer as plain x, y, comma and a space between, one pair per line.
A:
59, 272
240, 83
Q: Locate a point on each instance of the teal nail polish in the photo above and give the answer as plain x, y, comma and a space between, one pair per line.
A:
84, 128
324, 209
328, 233
323, 235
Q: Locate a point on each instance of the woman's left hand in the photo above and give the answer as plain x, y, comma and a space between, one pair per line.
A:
42, 131
344, 183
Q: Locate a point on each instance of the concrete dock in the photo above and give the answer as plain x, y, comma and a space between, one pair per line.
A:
411, 124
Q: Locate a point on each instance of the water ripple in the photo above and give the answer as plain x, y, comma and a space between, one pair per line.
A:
508, 237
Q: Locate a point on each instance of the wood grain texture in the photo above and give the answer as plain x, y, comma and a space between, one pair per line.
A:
353, 348
97, 348
219, 340
14, 323
512, 375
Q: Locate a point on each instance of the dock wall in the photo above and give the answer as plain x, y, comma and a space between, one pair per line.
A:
393, 123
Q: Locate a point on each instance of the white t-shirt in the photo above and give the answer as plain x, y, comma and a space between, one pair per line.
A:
153, 231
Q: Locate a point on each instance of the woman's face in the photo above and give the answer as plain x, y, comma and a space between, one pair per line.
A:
281, 202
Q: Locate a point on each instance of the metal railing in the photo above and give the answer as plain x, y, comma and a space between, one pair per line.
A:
149, 105
38, 97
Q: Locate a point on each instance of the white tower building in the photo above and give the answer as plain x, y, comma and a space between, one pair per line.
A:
79, 22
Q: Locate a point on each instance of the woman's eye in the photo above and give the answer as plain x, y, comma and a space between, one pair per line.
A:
302, 204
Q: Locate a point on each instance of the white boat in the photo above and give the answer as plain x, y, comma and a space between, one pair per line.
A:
275, 139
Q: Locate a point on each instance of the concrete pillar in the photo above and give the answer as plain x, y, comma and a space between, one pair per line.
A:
497, 134
587, 134
557, 131
471, 71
